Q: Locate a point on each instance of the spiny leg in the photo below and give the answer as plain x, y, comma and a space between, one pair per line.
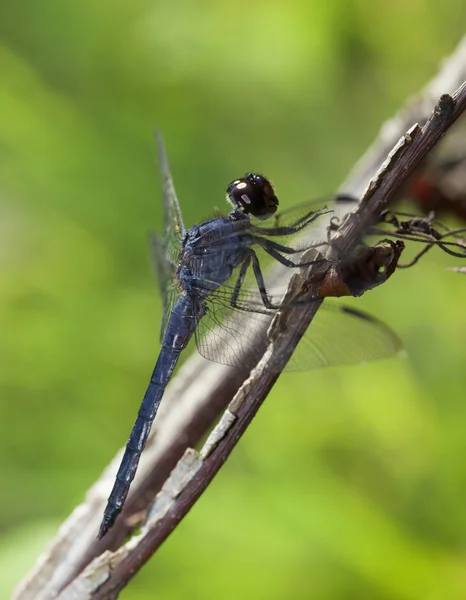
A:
263, 292
239, 282
264, 242
274, 249
268, 304
301, 223
260, 282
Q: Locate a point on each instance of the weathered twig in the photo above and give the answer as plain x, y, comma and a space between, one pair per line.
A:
198, 393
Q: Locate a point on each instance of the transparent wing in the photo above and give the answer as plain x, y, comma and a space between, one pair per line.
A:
174, 229
165, 273
166, 250
234, 329
233, 336
338, 335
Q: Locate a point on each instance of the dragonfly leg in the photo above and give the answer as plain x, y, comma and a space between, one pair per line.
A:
268, 304
299, 224
274, 249
239, 282
261, 285
264, 243
306, 220
260, 282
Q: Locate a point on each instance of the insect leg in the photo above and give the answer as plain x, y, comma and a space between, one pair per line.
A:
274, 249
239, 282
301, 223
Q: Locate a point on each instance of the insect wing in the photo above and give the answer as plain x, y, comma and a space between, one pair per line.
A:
174, 229
166, 250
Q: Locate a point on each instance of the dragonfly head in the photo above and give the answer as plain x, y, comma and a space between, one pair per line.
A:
254, 195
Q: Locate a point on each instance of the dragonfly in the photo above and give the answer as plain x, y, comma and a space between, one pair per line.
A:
218, 286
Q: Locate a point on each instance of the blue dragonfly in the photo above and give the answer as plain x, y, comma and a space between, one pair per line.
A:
217, 285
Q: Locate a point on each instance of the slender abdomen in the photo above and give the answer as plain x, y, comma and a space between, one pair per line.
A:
179, 331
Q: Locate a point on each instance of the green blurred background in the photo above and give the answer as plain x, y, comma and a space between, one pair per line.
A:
351, 482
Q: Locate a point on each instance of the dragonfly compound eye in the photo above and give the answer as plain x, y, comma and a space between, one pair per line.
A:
254, 195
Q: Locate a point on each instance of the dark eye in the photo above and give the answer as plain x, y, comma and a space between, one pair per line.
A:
254, 195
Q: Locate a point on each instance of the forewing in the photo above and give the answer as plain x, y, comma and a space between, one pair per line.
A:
166, 250
174, 229
165, 273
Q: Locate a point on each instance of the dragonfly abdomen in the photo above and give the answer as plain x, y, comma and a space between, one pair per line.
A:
179, 331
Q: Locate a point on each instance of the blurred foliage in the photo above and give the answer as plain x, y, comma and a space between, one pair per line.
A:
350, 482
